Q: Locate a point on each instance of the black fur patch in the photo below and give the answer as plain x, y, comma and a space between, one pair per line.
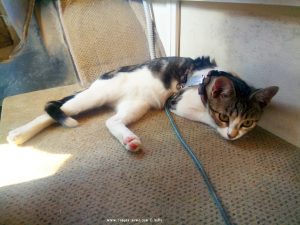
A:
108, 75
204, 62
113, 73
168, 68
157, 65
53, 109
178, 68
242, 89
172, 102
129, 68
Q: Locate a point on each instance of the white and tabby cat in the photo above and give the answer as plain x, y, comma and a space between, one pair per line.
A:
222, 100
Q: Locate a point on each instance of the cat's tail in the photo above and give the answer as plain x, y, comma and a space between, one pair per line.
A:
53, 109
54, 114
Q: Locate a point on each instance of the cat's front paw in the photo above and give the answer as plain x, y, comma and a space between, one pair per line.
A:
132, 143
16, 137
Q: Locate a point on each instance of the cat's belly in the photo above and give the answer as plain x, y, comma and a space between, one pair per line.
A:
158, 94
150, 89
157, 98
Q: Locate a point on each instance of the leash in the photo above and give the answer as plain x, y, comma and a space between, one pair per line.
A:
200, 168
190, 152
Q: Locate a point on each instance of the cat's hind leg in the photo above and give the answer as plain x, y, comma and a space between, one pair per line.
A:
127, 112
61, 111
98, 94
21, 134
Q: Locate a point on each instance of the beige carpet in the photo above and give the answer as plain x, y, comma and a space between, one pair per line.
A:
101, 180
84, 176
104, 35
256, 177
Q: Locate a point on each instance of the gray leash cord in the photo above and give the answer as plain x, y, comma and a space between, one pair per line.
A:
200, 168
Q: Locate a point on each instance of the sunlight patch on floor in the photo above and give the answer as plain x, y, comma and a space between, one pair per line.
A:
22, 164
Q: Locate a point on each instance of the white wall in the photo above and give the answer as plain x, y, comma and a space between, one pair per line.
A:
260, 43
166, 14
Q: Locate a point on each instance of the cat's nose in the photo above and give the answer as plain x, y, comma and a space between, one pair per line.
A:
232, 134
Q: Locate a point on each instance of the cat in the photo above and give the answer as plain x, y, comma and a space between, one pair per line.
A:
222, 100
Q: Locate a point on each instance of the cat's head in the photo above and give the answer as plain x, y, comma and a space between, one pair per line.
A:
234, 106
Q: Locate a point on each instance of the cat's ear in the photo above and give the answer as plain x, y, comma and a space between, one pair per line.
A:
222, 87
264, 96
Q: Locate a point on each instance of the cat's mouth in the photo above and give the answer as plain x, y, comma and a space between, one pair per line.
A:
223, 131
228, 137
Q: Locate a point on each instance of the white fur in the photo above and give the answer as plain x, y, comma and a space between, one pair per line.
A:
70, 122
21, 134
131, 94
191, 107
224, 131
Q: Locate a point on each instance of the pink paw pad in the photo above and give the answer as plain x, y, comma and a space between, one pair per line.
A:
133, 146
132, 143
128, 140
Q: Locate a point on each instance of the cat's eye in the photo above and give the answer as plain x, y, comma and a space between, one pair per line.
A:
247, 123
223, 117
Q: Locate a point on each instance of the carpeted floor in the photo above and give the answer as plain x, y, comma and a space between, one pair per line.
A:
104, 35
257, 177
84, 176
